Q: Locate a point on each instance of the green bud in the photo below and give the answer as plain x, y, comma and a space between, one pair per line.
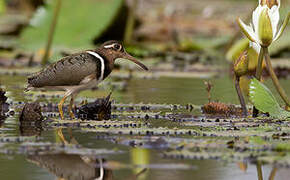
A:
265, 28
241, 65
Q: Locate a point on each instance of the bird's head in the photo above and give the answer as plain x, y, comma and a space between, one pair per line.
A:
115, 50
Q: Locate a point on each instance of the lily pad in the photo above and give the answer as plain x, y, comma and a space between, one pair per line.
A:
265, 101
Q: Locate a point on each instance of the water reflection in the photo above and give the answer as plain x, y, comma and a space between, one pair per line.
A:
67, 166
73, 167
28, 129
259, 169
140, 157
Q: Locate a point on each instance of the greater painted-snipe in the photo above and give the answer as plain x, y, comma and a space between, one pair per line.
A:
80, 71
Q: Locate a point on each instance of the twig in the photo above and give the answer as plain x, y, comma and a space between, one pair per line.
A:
259, 171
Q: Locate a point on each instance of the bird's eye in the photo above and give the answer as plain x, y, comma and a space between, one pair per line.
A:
117, 47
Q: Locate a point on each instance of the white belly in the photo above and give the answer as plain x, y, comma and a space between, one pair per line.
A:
78, 88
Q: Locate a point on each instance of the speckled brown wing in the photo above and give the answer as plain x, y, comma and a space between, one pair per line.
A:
68, 71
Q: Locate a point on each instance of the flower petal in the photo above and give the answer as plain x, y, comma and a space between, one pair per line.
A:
255, 17
278, 1
248, 31
274, 17
282, 27
255, 46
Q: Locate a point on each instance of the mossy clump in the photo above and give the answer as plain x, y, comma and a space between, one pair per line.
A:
31, 112
221, 109
98, 110
3, 105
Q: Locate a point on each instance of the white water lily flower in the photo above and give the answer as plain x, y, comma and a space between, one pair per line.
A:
255, 46
264, 27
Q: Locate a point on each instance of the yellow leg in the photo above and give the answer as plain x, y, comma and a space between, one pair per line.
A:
71, 114
60, 104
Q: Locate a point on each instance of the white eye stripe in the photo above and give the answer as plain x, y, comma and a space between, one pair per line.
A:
109, 46
114, 46
102, 63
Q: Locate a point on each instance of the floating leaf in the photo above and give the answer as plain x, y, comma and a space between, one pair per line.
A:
265, 101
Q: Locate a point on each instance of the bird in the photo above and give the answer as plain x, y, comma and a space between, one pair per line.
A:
80, 71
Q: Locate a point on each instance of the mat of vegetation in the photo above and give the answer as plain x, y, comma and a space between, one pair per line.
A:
174, 130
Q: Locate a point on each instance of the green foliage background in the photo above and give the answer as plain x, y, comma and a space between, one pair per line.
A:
79, 22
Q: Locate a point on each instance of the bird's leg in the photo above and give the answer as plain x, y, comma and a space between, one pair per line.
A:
60, 104
71, 113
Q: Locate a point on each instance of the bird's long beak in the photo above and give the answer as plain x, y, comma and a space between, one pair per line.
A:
131, 58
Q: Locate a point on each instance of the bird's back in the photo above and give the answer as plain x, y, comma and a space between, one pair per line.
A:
68, 71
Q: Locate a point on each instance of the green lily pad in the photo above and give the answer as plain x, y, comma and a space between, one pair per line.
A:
265, 101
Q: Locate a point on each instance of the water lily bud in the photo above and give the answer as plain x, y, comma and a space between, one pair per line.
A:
241, 65
269, 3
265, 28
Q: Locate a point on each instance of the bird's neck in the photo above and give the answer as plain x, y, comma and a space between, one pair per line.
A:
109, 62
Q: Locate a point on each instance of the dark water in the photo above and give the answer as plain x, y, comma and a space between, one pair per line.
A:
163, 90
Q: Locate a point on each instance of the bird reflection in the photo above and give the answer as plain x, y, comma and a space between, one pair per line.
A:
71, 166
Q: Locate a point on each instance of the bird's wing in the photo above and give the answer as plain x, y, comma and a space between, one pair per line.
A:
69, 71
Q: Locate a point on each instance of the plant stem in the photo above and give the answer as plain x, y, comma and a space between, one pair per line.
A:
273, 173
274, 77
241, 97
51, 32
259, 69
130, 22
259, 171
258, 76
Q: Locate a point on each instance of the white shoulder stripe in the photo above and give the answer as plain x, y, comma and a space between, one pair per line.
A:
102, 63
